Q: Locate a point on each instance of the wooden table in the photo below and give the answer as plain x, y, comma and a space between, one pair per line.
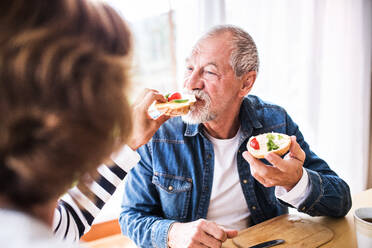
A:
114, 241
343, 228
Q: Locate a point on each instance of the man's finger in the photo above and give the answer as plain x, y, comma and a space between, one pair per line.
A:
264, 174
231, 233
152, 96
142, 95
161, 119
260, 179
247, 156
147, 90
258, 166
200, 245
209, 241
296, 151
276, 160
215, 231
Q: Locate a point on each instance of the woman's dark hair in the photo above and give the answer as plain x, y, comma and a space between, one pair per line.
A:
63, 108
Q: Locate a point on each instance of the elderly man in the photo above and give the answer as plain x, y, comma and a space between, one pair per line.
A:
196, 185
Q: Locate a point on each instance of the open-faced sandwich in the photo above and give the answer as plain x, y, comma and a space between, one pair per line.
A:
258, 146
176, 104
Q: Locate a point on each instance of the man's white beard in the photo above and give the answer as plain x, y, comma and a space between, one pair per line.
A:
199, 114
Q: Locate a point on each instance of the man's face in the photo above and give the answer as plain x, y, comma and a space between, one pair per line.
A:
210, 77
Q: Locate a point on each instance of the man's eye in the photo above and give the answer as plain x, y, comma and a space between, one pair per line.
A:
210, 72
188, 71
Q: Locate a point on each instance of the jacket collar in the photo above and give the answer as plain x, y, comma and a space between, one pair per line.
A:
248, 121
193, 129
248, 117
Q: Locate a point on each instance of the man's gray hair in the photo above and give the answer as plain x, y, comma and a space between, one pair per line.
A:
244, 56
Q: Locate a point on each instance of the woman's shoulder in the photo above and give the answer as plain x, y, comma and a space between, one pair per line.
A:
20, 230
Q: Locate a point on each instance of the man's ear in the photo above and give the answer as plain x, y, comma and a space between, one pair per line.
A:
248, 81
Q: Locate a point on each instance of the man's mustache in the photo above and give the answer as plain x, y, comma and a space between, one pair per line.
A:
199, 94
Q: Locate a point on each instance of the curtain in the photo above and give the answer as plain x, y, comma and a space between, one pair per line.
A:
345, 87
315, 62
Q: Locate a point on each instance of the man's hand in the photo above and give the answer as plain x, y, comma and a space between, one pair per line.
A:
200, 233
144, 127
284, 172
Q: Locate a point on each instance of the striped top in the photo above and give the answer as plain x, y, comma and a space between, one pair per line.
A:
78, 208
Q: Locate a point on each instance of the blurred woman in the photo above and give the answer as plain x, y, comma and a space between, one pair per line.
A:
63, 108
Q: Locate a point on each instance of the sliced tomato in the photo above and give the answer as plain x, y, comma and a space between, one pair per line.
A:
254, 144
174, 96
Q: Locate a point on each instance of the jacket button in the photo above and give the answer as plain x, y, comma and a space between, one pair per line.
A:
253, 207
245, 181
303, 208
170, 188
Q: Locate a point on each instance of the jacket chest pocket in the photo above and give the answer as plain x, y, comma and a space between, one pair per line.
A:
175, 194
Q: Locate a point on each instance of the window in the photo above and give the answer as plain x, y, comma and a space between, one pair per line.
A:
154, 61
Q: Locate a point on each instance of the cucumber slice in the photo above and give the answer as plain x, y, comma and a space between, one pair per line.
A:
180, 100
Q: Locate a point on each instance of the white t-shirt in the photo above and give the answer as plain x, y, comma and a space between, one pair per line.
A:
227, 206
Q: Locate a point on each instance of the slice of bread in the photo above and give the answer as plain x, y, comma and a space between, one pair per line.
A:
176, 107
269, 142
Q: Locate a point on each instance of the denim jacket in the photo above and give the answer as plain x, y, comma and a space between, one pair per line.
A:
173, 180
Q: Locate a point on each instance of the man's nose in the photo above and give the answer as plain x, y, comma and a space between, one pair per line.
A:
194, 81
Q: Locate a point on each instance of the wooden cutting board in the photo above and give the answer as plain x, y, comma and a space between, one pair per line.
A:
295, 231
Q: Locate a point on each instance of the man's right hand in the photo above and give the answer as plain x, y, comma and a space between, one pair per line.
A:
144, 127
200, 233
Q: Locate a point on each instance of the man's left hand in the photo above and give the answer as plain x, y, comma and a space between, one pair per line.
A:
283, 172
